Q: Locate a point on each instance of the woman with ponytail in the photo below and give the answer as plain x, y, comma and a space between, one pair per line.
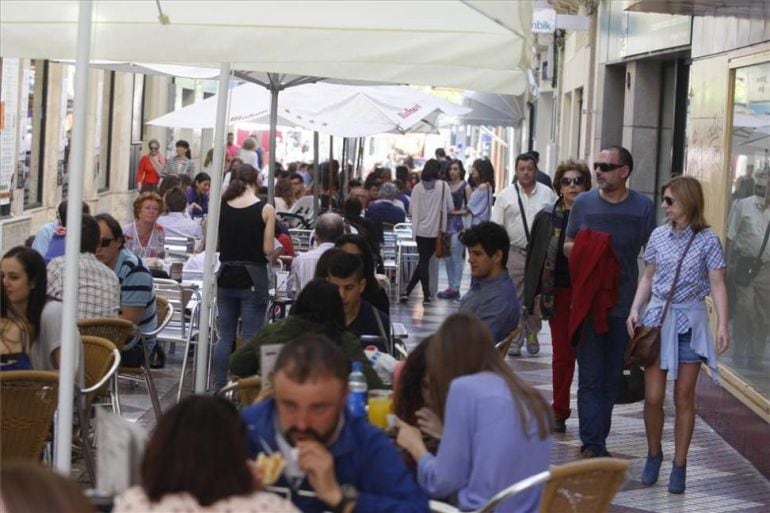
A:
246, 233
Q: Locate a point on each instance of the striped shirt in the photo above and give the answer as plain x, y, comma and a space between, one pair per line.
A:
664, 250
136, 288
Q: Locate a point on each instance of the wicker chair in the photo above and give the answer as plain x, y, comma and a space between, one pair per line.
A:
118, 331
29, 400
248, 389
101, 362
585, 486
505, 344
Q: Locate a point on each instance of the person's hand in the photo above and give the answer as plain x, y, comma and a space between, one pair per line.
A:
195, 206
410, 438
633, 319
318, 463
429, 423
256, 472
723, 339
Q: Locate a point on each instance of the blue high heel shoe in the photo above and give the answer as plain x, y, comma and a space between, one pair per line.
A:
652, 469
676, 483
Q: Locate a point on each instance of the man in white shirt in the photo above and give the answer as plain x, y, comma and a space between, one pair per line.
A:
176, 223
327, 229
526, 192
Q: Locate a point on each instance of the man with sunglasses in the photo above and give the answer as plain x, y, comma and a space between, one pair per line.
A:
137, 296
629, 218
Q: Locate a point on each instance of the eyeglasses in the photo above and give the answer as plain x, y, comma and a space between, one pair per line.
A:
668, 200
566, 181
154, 148
105, 242
605, 167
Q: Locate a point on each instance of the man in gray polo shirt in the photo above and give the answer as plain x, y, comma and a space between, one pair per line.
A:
492, 296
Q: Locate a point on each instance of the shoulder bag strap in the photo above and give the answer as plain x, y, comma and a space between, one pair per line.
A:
441, 207
764, 245
523, 213
676, 277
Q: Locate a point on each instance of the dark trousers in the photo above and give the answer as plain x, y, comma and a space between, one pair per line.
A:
426, 246
600, 364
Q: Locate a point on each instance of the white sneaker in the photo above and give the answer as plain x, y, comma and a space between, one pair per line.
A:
514, 350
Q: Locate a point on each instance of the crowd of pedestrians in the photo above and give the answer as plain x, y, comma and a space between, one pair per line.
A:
566, 252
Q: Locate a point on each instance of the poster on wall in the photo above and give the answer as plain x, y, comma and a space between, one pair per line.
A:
8, 114
24, 156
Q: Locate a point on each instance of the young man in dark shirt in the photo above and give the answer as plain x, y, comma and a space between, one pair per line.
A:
346, 272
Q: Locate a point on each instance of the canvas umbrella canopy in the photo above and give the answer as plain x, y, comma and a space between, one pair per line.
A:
335, 109
378, 40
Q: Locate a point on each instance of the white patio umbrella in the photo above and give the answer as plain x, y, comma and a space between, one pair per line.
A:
487, 49
334, 109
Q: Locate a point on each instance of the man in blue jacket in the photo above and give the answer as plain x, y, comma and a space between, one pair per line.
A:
334, 462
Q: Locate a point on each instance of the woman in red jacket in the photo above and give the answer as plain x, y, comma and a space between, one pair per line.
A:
150, 167
547, 279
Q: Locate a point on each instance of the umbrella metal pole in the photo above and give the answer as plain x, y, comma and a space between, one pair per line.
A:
63, 431
316, 179
209, 294
274, 89
330, 189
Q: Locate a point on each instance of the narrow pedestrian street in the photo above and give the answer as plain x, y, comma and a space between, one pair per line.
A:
719, 478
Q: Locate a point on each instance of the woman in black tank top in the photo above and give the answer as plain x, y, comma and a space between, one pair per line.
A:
246, 232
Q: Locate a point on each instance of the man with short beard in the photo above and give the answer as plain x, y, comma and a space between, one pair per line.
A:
346, 463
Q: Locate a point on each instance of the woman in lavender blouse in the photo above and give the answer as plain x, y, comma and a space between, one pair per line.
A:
495, 429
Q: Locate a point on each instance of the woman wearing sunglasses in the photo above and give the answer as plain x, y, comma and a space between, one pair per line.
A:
547, 284
685, 338
150, 167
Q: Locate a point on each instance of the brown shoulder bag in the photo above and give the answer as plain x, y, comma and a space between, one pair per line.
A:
644, 347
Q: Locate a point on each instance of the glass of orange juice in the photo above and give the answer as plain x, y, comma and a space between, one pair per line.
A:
380, 405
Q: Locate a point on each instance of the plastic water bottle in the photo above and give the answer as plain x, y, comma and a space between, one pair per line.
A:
357, 391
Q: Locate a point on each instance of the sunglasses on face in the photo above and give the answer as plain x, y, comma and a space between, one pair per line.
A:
566, 181
605, 167
154, 147
668, 200
105, 242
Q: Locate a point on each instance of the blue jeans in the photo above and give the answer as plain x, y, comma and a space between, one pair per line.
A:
232, 304
454, 262
600, 364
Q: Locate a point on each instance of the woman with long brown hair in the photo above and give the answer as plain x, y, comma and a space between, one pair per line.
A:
496, 428
685, 339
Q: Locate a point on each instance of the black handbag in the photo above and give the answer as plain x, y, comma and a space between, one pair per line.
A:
631, 388
746, 268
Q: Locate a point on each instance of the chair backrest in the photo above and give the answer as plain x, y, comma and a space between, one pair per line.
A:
585, 486
300, 238
178, 297
101, 360
164, 311
505, 343
118, 331
248, 389
29, 400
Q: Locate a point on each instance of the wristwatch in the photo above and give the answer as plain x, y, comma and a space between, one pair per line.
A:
349, 495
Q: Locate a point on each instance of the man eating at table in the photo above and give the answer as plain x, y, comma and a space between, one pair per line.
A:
334, 462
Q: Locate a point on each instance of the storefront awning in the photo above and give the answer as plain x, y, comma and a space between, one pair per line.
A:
722, 8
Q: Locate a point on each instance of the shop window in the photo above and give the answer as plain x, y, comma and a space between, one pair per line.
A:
137, 128
66, 121
103, 131
32, 126
748, 223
